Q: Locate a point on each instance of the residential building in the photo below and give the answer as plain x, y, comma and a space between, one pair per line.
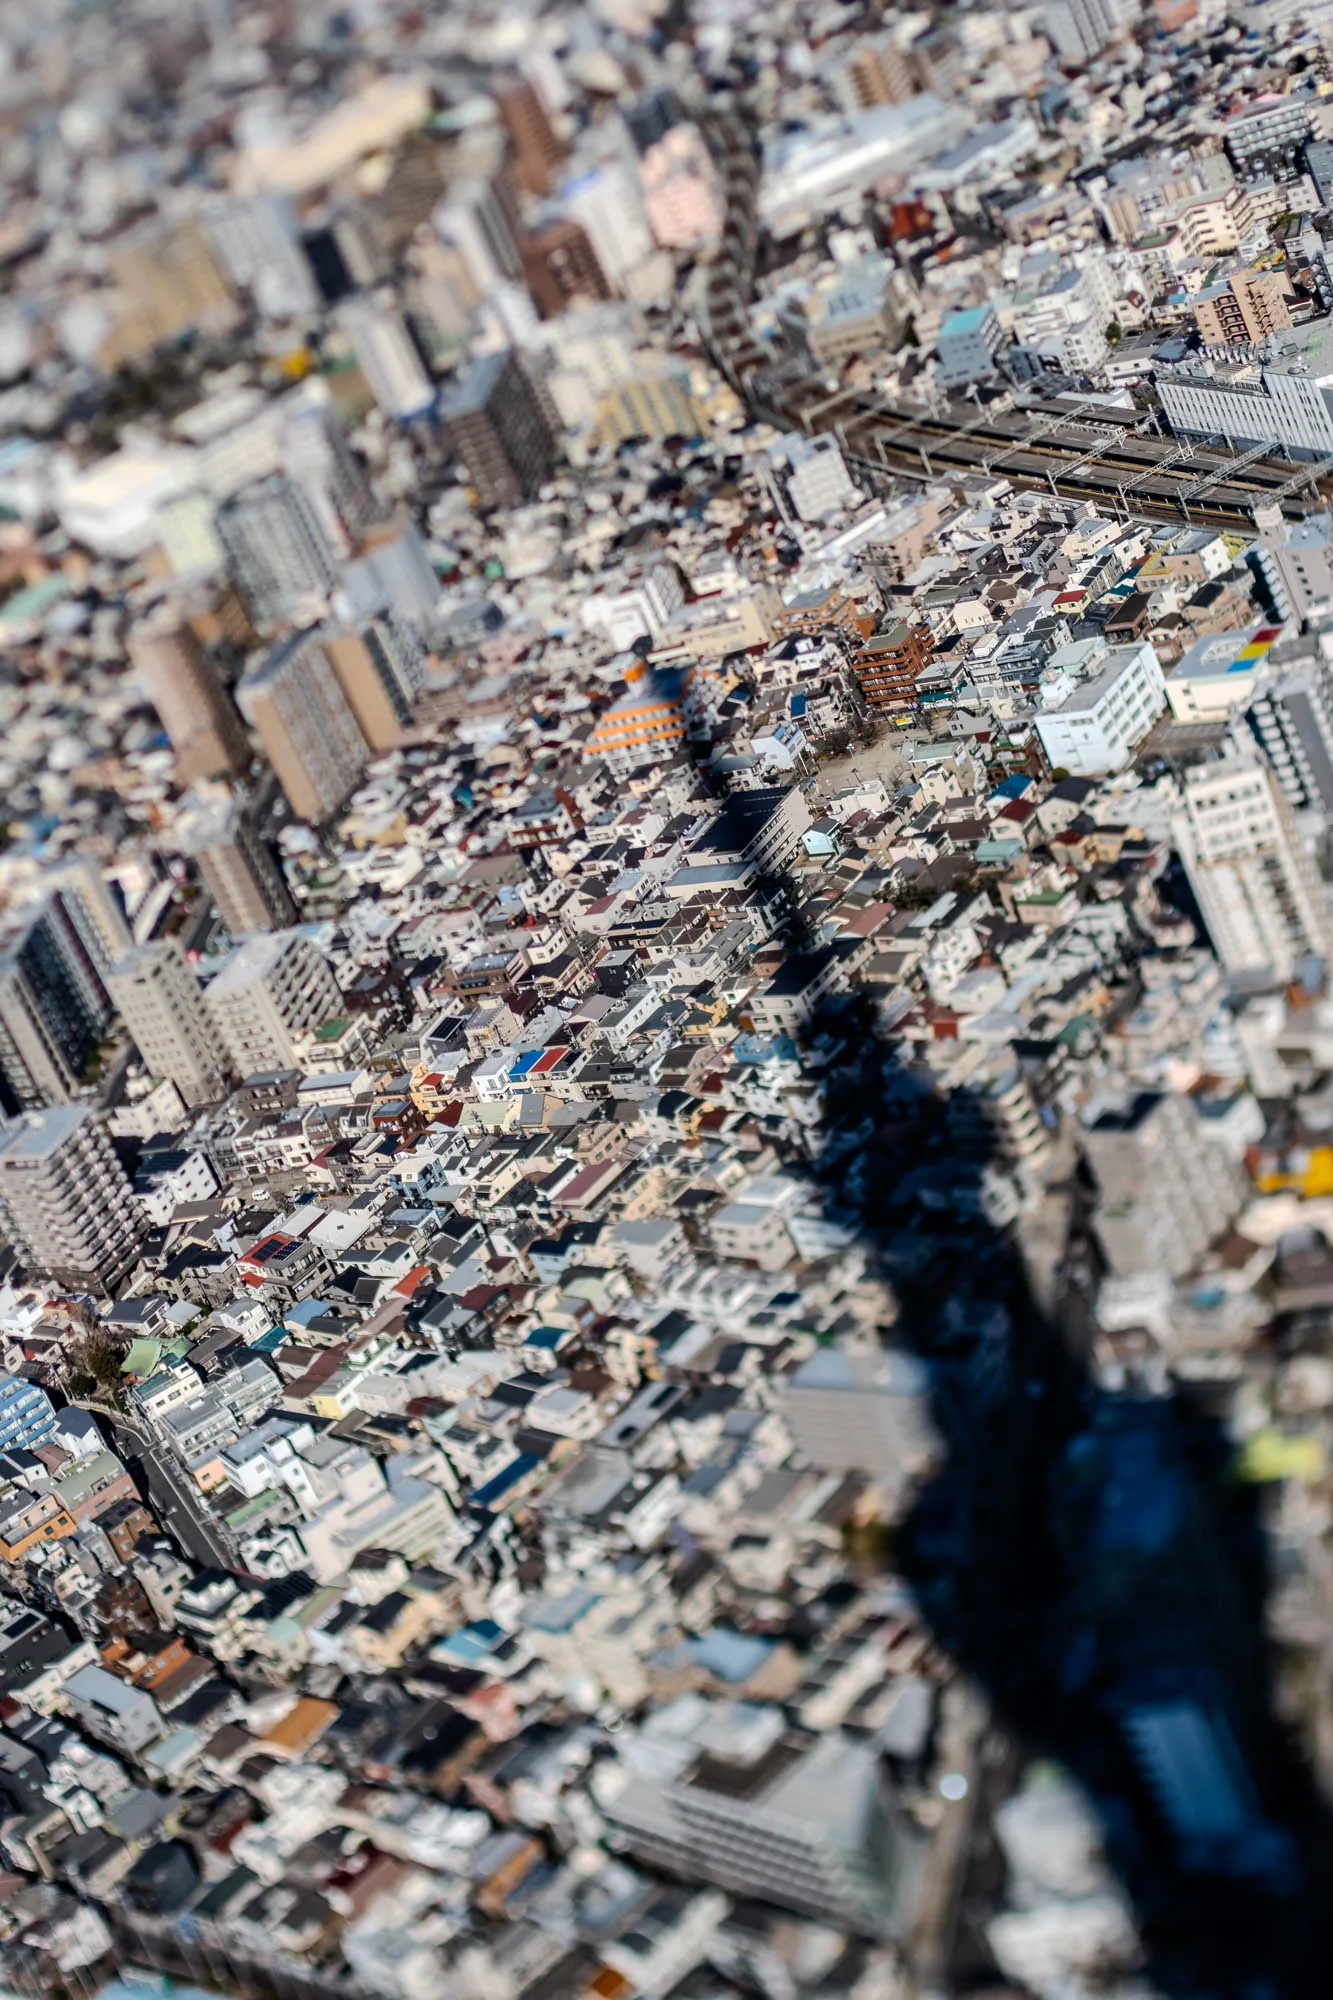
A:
54, 1005
158, 998
381, 670
863, 1409
1291, 717
26, 1416
1259, 892
536, 150
169, 283
888, 664
496, 426
560, 268
1163, 1193
271, 989
875, 71
277, 551
1246, 307
682, 190
657, 402
814, 477
240, 874
295, 703
257, 241
388, 358
66, 1203
187, 690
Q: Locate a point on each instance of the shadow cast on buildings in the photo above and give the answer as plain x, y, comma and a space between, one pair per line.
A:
1087, 1557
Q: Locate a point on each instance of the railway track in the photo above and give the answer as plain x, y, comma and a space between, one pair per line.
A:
1110, 457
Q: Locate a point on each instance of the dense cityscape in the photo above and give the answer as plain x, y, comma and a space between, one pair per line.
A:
666, 1052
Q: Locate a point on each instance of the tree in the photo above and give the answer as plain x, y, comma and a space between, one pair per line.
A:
1114, 331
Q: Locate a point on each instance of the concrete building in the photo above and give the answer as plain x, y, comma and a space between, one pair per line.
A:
158, 998
257, 241
1298, 570
1220, 672
863, 1409
54, 1004
1259, 892
270, 990
968, 345
1081, 29
295, 703
561, 269
1099, 721
1244, 308
169, 283
185, 687
26, 1416
113, 1710
381, 670
239, 872
65, 1201
1289, 406
1291, 718
279, 555
1164, 1193
760, 1810
496, 426
875, 71
536, 150
388, 359
682, 190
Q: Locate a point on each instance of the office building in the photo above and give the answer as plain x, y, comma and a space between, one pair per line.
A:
495, 425
26, 1416
387, 357
188, 692
158, 998
54, 1006
1089, 727
561, 269
380, 669
66, 1203
257, 241
968, 346
863, 1409
272, 988
1290, 407
1258, 891
1291, 718
1164, 1193
295, 704
238, 871
806, 1822
278, 554
479, 218
536, 151
1298, 569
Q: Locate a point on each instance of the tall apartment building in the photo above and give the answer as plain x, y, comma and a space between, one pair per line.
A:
1298, 569
294, 701
479, 218
1164, 1192
54, 1003
188, 692
257, 241
392, 572
158, 998
66, 1203
656, 402
560, 268
682, 190
271, 989
239, 873
277, 551
1243, 310
380, 669
496, 426
1258, 890
1291, 718
536, 150
388, 359
1081, 29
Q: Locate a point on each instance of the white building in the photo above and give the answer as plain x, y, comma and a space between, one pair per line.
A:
1219, 673
1289, 405
815, 476
158, 998
1097, 724
387, 358
1259, 892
